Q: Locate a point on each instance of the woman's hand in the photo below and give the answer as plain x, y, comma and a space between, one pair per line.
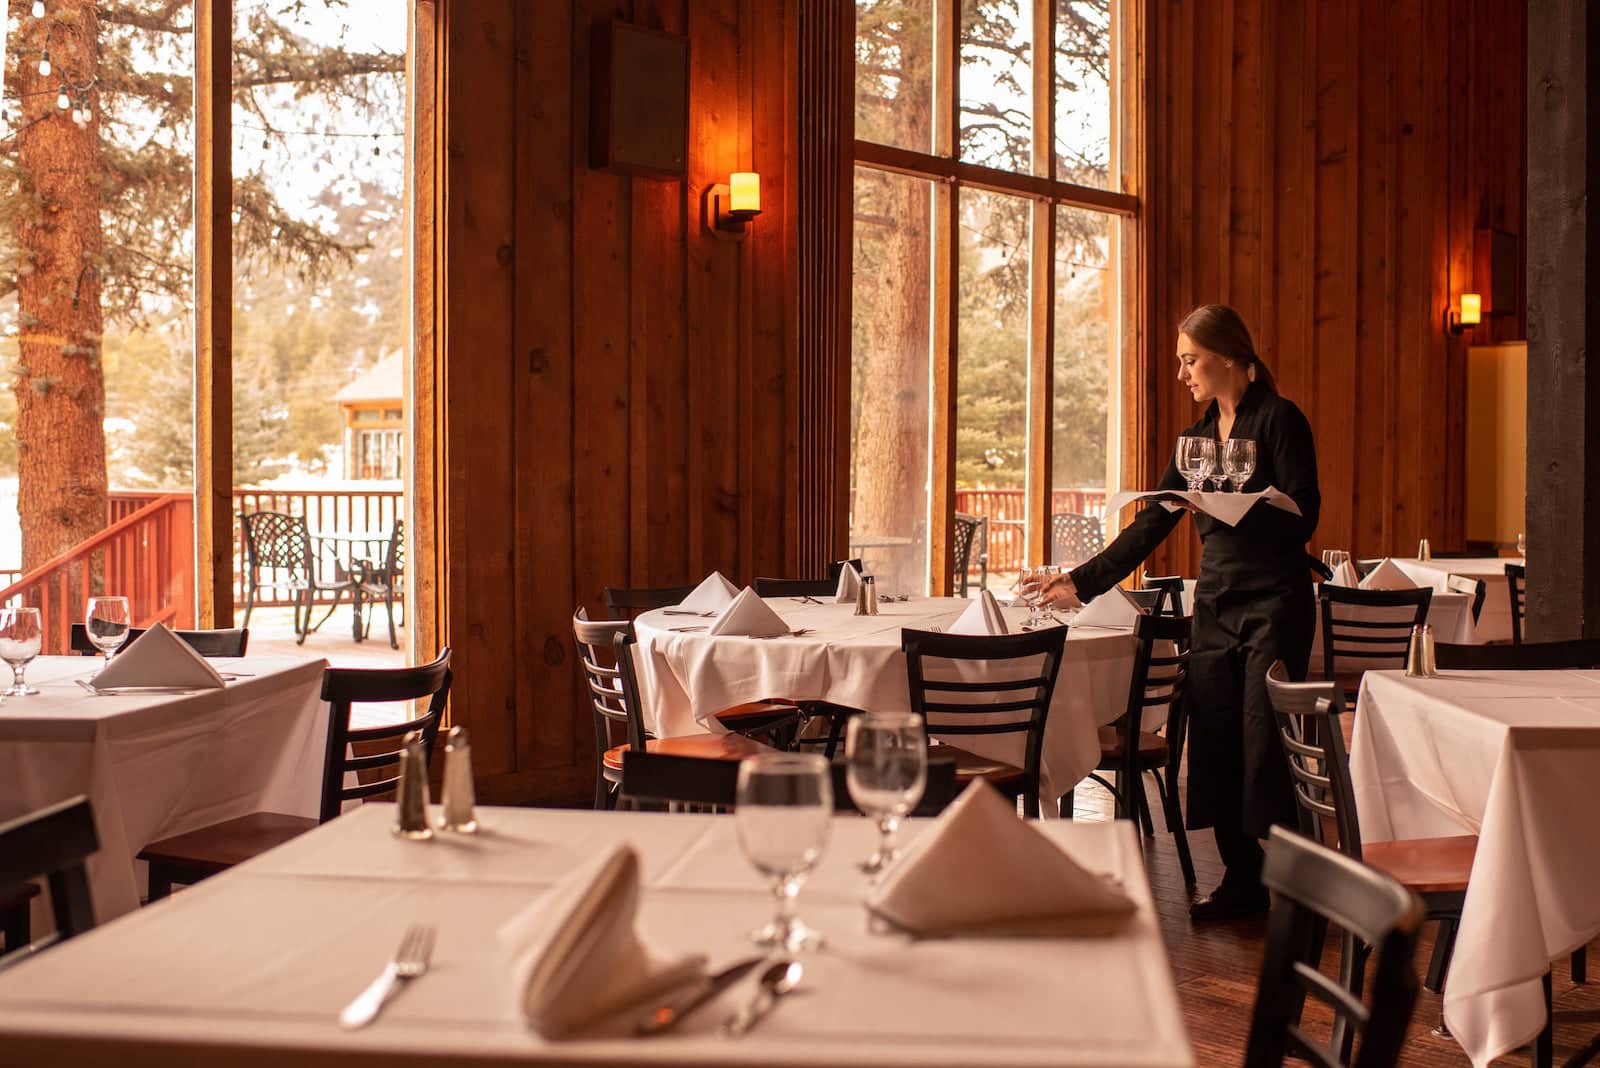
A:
1060, 591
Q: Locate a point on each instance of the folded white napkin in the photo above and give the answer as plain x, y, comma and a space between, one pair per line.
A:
160, 658
579, 957
749, 616
983, 616
1387, 576
981, 866
1114, 608
849, 583
1345, 575
712, 595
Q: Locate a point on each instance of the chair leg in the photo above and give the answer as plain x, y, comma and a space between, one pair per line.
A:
160, 882
1580, 964
1066, 803
1180, 838
394, 642
1444, 944
16, 927
1141, 801
1352, 976
302, 621
1543, 1053
249, 602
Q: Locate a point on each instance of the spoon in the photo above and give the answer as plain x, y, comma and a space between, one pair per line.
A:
780, 978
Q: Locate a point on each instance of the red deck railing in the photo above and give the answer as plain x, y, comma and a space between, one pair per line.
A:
1006, 510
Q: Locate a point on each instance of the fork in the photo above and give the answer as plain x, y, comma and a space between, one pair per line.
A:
410, 961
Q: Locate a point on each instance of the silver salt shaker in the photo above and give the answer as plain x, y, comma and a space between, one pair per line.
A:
457, 794
411, 795
861, 596
1419, 653
871, 586
1423, 552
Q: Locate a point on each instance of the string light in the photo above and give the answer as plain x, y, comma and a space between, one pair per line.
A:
44, 63
38, 9
63, 101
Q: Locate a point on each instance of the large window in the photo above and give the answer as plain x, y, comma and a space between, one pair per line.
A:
993, 210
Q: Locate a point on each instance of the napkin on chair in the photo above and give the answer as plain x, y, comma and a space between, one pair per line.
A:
1387, 576
983, 616
749, 616
1345, 575
159, 658
1114, 608
712, 595
983, 867
849, 583
579, 957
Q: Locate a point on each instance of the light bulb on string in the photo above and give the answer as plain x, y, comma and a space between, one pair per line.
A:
38, 9
63, 101
44, 65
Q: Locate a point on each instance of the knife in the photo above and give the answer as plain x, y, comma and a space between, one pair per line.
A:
692, 997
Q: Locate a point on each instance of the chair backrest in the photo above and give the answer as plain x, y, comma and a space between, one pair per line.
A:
1147, 600
1313, 744
621, 600
1517, 590
623, 645
658, 777
1171, 589
394, 555
1314, 886
597, 658
275, 539
231, 642
54, 843
1075, 538
1527, 656
376, 766
786, 587
969, 531
838, 566
1158, 681
1019, 669
1368, 628
1474, 588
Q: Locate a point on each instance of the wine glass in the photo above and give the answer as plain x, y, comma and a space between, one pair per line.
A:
107, 624
783, 816
887, 770
1522, 544
20, 638
1238, 461
1197, 458
1030, 584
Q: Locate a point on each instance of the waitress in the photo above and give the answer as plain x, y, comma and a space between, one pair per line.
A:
1253, 603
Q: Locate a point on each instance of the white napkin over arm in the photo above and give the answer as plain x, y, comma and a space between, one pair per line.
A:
849, 583
750, 617
1113, 608
579, 957
982, 616
159, 658
713, 594
1387, 576
982, 867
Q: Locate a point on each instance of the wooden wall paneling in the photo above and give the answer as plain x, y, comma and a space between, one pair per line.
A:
1435, 354
1247, 150
1374, 121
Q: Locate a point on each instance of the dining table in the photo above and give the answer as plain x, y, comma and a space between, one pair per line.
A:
1513, 757
252, 967
163, 762
1493, 623
686, 675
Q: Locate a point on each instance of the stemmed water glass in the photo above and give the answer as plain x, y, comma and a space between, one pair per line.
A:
886, 772
20, 638
1238, 462
106, 623
1030, 587
783, 815
1197, 459
1522, 544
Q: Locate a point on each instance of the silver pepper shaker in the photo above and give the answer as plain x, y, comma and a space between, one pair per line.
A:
871, 586
1423, 552
861, 596
411, 795
1419, 653
458, 796
1430, 666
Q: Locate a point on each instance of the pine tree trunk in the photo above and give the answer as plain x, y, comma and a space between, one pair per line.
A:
60, 385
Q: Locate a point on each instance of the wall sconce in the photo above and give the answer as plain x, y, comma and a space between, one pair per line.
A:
1468, 315
728, 209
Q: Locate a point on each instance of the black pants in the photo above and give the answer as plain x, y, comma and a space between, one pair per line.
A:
1238, 777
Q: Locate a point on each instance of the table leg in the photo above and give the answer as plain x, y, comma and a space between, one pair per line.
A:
357, 631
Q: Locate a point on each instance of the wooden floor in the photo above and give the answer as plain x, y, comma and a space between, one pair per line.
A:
1216, 965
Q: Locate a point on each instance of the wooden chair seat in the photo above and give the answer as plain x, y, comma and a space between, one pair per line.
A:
728, 747
1425, 865
1152, 750
222, 845
758, 715
1007, 778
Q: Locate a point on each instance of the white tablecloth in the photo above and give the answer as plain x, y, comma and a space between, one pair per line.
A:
686, 678
261, 958
159, 765
1494, 622
1513, 757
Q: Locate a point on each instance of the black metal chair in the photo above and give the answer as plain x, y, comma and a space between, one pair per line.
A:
278, 554
838, 566
1517, 590
384, 581
1128, 750
1472, 587
1579, 653
948, 703
1370, 627
231, 642
1074, 538
663, 778
622, 601
52, 843
374, 767
1170, 587
1313, 886
971, 535
596, 660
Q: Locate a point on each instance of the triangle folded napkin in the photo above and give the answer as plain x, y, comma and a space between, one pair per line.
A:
1387, 576
750, 617
1346, 575
712, 595
1114, 608
982, 616
849, 583
982, 867
159, 658
579, 956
